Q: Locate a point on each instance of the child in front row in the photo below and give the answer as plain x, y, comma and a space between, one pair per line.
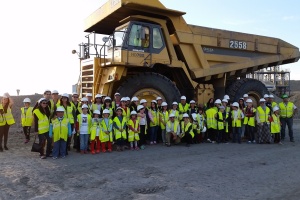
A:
84, 125
106, 136
119, 125
95, 130
275, 125
133, 130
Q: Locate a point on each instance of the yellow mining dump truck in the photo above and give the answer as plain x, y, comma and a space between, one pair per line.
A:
151, 51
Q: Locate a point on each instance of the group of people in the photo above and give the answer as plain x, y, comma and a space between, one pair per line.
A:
95, 124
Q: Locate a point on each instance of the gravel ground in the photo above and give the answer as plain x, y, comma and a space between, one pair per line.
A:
203, 171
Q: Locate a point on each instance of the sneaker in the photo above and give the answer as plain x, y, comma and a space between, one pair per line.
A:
143, 147
280, 143
26, 141
109, 150
93, 152
63, 157
103, 151
97, 151
292, 140
249, 142
137, 148
43, 157
253, 142
213, 142
208, 140
151, 143
54, 158
132, 149
154, 142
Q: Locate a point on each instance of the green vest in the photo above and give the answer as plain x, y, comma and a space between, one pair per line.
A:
26, 117
286, 111
120, 125
60, 129
263, 115
211, 119
43, 121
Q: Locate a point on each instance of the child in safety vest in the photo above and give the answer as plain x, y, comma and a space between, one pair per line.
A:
133, 130
276, 125
222, 119
84, 124
142, 117
26, 118
60, 130
237, 117
201, 128
249, 121
106, 136
195, 128
95, 131
163, 118
119, 125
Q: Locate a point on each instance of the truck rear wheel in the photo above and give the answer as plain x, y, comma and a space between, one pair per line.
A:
149, 86
254, 88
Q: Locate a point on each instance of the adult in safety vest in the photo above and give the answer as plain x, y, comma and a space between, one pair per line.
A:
154, 122
183, 107
187, 133
211, 121
26, 118
60, 131
263, 114
287, 112
117, 101
54, 101
97, 105
249, 121
6, 119
275, 125
41, 126
237, 117
222, 118
271, 100
173, 130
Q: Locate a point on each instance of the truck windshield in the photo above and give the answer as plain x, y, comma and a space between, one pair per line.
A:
119, 36
139, 36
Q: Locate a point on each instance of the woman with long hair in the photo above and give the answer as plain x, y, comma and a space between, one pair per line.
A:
6, 119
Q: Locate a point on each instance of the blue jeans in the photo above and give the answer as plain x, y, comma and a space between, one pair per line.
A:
84, 138
289, 123
59, 148
236, 133
153, 133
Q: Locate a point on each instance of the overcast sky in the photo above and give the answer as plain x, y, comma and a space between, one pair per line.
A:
37, 36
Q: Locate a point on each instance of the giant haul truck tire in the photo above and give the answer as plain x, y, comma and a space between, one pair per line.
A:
148, 86
254, 88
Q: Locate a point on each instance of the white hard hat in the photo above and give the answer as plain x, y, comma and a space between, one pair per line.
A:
262, 100
96, 112
174, 103
225, 100
183, 97
26, 100
226, 97
171, 115
74, 93
106, 111
47, 90
164, 104
107, 98
60, 109
271, 96
117, 94
235, 104
133, 112
127, 98
203, 129
249, 101
88, 95
192, 101
84, 99
139, 107
266, 96
84, 106
119, 108
65, 95
98, 96
218, 101
153, 101
54, 92
275, 109
158, 98
134, 99
42, 99
123, 99
185, 115
246, 96
194, 115
5, 96
143, 101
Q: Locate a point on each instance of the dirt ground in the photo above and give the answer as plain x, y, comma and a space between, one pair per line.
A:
203, 171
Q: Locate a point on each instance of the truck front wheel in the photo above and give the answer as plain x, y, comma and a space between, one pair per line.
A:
149, 86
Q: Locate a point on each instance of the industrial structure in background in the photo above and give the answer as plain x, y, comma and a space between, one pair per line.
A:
149, 51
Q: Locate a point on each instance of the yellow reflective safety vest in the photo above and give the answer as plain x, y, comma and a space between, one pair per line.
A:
104, 137
187, 128
183, 109
132, 136
43, 122
126, 113
176, 113
155, 118
221, 125
275, 124
286, 111
120, 125
274, 104
164, 117
263, 115
237, 122
68, 112
250, 120
95, 127
97, 107
89, 121
6, 118
60, 129
211, 119
26, 117
176, 125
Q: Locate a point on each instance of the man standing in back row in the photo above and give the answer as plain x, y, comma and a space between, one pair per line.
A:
287, 112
